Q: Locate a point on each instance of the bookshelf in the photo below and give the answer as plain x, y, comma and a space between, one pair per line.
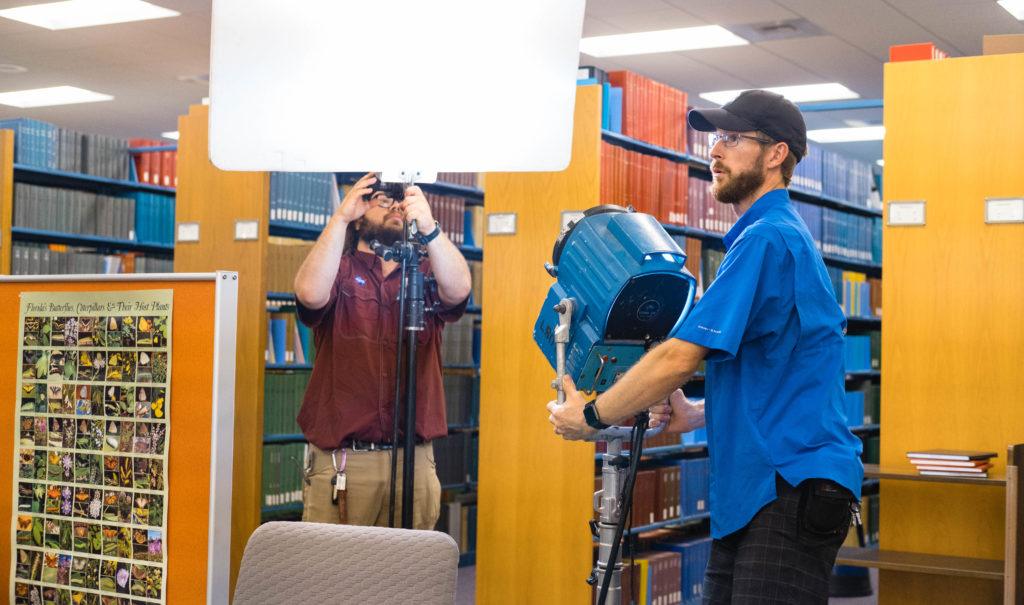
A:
12, 173
951, 333
1005, 570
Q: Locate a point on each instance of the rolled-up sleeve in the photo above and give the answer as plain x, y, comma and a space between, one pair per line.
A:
313, 317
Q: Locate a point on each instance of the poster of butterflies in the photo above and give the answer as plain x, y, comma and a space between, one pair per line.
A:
93, 409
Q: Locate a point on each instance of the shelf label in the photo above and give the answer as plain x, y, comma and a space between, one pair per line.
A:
188, 232
501, 223
906, 214
245, 230
1004, 210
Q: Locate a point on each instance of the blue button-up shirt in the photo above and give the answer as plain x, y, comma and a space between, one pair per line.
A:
775, 378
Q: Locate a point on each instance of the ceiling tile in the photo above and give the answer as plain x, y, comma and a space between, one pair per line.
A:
728, 12
669, 18
834, 60
607, 8
753, 65
871, 25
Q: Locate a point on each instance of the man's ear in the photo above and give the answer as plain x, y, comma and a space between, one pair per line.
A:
779, 152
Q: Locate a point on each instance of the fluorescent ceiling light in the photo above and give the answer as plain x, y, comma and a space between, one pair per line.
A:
1014, 7
847, 135
56, 95
173, 134
805, 93
86, 13
662, 41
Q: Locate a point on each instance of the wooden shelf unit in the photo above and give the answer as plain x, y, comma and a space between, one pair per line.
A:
953, 292
1006, 570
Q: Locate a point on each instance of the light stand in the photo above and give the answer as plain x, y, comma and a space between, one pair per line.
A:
613, 503
410, 321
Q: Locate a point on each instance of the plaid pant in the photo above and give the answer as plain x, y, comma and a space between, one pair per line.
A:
776, 558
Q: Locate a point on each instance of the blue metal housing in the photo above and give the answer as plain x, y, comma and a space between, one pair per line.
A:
630, 287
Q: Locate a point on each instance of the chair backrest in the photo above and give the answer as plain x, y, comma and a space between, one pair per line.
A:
293, 562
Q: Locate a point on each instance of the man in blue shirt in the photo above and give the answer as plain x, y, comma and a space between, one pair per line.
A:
785, 469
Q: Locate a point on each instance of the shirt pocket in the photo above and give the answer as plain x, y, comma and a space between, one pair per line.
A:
359, 313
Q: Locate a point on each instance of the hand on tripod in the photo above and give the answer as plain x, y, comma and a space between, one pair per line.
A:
568, 418
417, 208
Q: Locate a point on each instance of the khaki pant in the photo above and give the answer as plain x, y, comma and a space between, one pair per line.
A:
368, 477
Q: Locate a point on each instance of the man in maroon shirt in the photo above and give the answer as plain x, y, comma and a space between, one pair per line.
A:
349, 297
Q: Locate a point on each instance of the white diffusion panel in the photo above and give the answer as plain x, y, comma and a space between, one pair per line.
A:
393, 85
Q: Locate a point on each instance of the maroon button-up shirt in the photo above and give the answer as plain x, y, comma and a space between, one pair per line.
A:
351, 393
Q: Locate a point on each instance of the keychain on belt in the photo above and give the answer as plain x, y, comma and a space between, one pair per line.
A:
338, 483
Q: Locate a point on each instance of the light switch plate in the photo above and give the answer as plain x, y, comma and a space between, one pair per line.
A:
907, 214
501, 223
1004, 210
188, 232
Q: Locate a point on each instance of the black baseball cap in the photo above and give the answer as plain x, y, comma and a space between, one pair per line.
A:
768, 112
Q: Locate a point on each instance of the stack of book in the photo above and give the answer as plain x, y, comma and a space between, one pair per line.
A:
952, 463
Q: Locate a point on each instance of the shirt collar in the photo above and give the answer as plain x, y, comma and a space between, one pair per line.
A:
772, 199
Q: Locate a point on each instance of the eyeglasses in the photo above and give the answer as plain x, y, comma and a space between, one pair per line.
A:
382, 200
732, 139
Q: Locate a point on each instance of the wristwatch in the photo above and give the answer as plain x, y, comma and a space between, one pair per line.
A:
426, 239
590, 415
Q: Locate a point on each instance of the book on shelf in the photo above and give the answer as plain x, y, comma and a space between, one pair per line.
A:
693, 555
43, 145
458, 520
450, 212
283, 473
861, 351
947, 454
59, 259
966, 464
283, 391
465, 179
289, 341
951, 463
651, 111
155, 167
971, 470
930, 473
284, 257
304, 199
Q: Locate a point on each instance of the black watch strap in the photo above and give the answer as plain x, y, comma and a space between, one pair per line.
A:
426, 239
591, 416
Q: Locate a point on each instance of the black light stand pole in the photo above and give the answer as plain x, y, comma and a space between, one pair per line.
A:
398, 388
413, 283
410, 321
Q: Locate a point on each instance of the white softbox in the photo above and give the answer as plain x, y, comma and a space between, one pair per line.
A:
393, 85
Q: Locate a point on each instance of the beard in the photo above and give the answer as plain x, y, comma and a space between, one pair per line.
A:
740, 186
382, 232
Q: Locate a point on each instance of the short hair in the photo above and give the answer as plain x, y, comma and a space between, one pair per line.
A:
788, 166
351, 238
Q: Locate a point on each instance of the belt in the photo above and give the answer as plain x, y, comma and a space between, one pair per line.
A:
357, 445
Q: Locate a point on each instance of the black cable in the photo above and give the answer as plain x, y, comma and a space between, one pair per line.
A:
626, 498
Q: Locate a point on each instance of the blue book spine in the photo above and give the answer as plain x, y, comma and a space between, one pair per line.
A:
615, 117
606, 106
278, 333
